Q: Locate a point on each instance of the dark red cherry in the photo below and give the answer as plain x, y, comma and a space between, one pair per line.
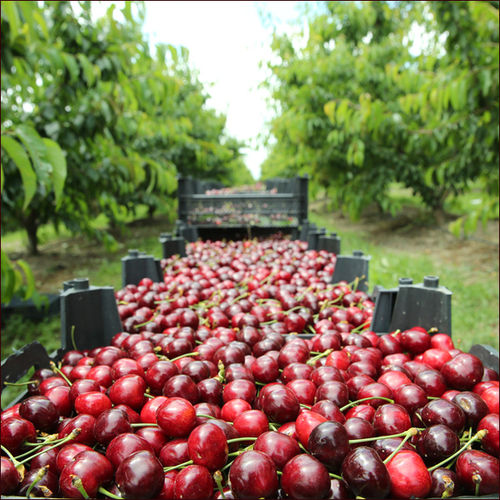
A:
373, 391
440, 411
477, 472
278, 446
124, 445
385, 446
358, 428
463, 371
109, 424
140, 475
67, 453
159, 373
329, 410
46, 482
472, 405
444, 483
194, 482
431, 381
174, 452
207, 446
436, 443
9, 477
154, 436
176, 417
366, 474
329, 443
128, 390
305, 477
253, 475
409, 475
490, 442
411, 397
391, 419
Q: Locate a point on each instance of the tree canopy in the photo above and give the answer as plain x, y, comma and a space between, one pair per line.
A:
385, 92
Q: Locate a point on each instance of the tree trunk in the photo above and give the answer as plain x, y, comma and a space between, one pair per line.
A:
31, 226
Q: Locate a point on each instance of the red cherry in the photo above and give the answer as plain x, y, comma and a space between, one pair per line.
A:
128, 390
207, 446
478, 472
67, 454
194, 482
251, 423
305, 477
9, 477
490, 443
148, 412
391, 419
305, 423
463, 371
176, 417
491, 398
123, 446
409, 475
278, 446
92, 403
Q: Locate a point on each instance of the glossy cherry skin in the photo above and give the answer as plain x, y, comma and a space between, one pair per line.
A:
176, 417
363, 411
253, 475
391, 419
110, 424
91, 467
48, 480
48, 457
491, 398
365, 473
233, 408
92, 403
436, 443
305, 477
280, 405
305, 423
278, 446
81, 386
159, 373
303, 389
329, 410
409, 475
334, 391
374, 390
154, 436
174, 452
415, 341
444, 481
410, 396
9, 477
251, 423
148, 412
472, 405
59, 396
67, 454
123, 446
463, 371
474, 467
128, 390
329, 443
358, 428
15, 431
207, 446
490, 443
431, 381
440, 411
140, 475
194, 482
41, 412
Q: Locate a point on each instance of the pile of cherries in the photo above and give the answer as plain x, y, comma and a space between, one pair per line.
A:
246, 374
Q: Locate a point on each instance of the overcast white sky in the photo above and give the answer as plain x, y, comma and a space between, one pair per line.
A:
226, 41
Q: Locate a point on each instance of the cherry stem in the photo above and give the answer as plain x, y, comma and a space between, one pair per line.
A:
302, 405
477, 481
9, 454
363, 326
144, 424
77, 483
59, 372
432, 397
178, 466
312, 360
107, 493
477, 437
20, 384
241, 439
335, 476
354, 403
412, 431
36, 446
69, 437
375, 438
150, 396
189, 354
38, 477
204, 415
218, 481
72, 335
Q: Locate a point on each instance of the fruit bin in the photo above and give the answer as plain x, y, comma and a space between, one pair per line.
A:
235, 213
78, 296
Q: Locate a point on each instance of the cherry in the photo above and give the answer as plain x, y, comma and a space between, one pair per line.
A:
140, 475
431, 381
363, 411
393, 379
233, 408
490, 442
101, 374
91, 468
463, 371
388, 344
338, 490
16, 431
329, 443
174, 452
251, 423
210, 391
329, 410
334, 391
148, 412
436, 443
241, 389
154, 436
491, 398
67, 454
472, 405
440, 411
365, 473
415, 341
82, 386
207, 446
305, 423
238, 371
303, 389
92, 403
305, 477
9, 477
128, 390
41, 412
444, 483
47, 457
167, 491
265, 369
109, 424
159, 373
436, 358
410, 396
123, 446
278, 446
176, 417
358, 428
374, 390
477, 472
194, 482
442, 341
391, 419
46, 483
355, 383
253, 475
409, 475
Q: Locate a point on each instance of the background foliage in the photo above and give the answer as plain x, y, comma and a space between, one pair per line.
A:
94, 122
385, 92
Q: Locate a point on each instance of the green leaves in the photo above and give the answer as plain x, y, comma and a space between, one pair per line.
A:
18, 155
56, 158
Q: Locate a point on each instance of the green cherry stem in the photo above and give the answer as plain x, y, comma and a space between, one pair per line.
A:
375, 438
108, 494
354, 403
178, 466
38, 477
218, 481
241, 439
187, 355
412, 431
477, 437
313, 360
144, 424
60, 373
12, 457
335, 476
